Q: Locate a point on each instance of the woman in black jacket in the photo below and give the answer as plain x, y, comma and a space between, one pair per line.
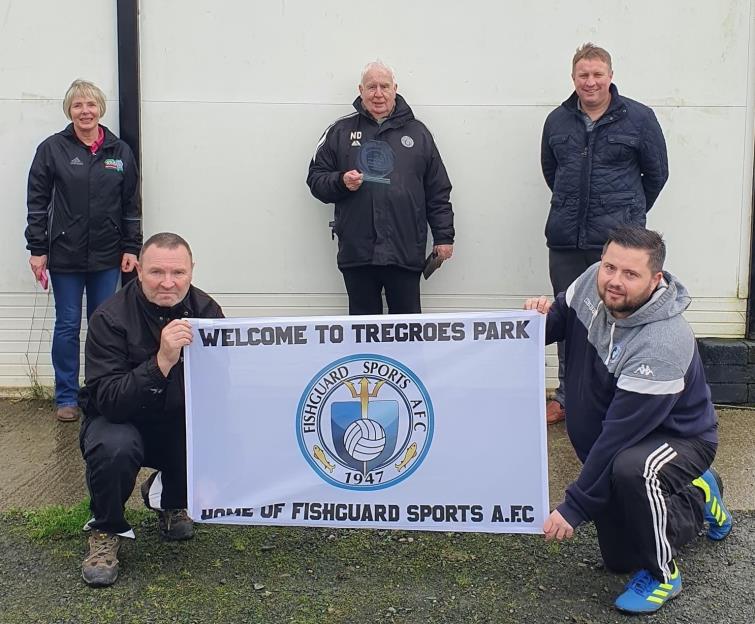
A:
84, 225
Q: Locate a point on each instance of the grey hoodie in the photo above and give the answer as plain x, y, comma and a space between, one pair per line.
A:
625, 378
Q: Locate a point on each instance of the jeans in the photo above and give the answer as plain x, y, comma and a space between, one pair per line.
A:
68, 289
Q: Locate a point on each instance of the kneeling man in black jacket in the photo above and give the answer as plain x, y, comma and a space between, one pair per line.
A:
133, 400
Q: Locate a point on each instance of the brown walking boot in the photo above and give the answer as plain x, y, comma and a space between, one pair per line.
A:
100, 568
175, 524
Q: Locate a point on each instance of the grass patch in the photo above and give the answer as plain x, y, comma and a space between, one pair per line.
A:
57, 522
36, 391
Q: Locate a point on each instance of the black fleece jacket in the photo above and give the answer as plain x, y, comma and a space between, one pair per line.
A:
122, 380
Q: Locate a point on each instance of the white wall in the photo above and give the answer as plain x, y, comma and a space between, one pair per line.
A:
237, 93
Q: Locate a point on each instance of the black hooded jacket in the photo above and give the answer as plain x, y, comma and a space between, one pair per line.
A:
384, 224
123, 381
84, 211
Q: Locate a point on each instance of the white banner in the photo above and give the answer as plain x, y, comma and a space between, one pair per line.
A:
429, 422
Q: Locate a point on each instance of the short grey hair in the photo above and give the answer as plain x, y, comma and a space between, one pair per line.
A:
378, 64
166, 240
85, 89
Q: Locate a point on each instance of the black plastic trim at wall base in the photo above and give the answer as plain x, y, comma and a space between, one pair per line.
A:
729, 369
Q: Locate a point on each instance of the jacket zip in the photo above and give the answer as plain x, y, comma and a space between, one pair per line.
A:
587, 153
50, 218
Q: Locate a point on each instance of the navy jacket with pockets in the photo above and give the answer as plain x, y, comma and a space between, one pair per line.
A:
604, 178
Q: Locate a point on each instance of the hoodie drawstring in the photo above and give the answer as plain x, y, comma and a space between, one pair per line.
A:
594, 314
610, 344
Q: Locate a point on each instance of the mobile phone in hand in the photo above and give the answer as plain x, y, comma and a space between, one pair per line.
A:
43, 279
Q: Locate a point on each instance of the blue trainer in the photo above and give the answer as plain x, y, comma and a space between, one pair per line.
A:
645, 594
716, 514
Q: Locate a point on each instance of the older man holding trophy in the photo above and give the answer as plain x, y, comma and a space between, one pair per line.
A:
382, 170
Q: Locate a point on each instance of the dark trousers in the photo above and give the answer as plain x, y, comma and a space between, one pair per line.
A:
565, 266
654, 509
365, 285
114, 453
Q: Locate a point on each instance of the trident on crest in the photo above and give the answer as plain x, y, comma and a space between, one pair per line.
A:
364, 395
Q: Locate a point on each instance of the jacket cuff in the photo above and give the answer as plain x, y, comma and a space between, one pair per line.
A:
570, 514
341, 186
443, 241
38, 251
154, 372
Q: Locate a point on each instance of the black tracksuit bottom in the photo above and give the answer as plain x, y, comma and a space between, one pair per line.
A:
654, 510
114, 453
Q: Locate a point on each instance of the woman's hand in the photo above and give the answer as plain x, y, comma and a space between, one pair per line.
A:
38, 266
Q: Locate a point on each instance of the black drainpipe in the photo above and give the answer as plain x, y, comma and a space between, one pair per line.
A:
128, 74
128, 82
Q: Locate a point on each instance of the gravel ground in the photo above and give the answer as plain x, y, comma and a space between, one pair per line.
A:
270, 575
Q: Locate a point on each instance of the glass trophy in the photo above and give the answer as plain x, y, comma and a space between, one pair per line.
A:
375, 161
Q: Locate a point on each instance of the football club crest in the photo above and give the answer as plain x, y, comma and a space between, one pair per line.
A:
114, 164
365, 422
615, 353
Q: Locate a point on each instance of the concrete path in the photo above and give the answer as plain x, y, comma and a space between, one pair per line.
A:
41, 463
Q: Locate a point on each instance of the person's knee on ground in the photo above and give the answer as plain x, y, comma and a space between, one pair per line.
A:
614, 565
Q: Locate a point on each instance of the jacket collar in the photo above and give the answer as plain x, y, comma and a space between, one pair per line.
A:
617, 102
110, 138
183, 309
401, 114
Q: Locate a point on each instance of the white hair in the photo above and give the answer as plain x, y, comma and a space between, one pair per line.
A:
378, 64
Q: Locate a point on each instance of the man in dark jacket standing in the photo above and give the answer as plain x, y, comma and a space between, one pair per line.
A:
382, 170
133, 400
639, 416
604, 157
